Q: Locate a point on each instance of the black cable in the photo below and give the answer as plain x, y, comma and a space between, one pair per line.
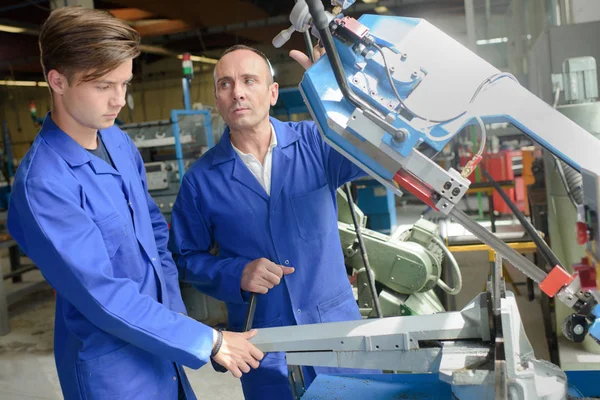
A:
363, 252
541, 244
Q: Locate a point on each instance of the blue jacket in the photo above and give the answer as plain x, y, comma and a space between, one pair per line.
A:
101, 242
221, 202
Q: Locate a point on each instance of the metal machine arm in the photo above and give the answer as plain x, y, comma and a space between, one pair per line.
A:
393, 91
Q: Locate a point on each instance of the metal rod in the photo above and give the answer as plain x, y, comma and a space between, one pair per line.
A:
309, 46
250, 313
363, 252
521, 263
19, 272
541, 244
496, 279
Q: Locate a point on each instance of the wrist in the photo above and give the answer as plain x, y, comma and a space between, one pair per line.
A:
217, 342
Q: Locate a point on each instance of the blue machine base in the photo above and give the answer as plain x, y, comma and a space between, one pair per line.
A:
380, 387
582, 384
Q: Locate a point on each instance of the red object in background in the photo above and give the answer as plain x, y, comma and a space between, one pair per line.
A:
587, 274
582, 233
500, 167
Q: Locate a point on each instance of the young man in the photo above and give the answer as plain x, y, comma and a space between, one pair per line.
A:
266, 194
81, 211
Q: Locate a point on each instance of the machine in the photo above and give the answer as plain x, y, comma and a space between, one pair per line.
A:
406, 265
168, 147
389, 95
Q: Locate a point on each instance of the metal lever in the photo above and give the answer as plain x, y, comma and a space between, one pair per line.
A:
250, 313
247, 326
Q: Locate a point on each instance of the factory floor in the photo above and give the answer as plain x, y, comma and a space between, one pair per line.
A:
27, 368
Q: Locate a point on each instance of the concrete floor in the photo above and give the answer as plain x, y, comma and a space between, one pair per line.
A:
27, 369
26, 352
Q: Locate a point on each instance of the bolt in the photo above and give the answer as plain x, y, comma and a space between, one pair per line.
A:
456, 192
578, 329
400, 135
355, 81
447, 185
366, 305
372, 93
365, 285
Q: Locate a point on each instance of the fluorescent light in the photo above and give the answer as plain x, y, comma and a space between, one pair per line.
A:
202, 59
492, 41
370, 1
381, 10
23, 83
11, 29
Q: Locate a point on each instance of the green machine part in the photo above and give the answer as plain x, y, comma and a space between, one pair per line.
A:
406, 265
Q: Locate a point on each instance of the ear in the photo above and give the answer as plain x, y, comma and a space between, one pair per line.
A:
274, 93
57, 82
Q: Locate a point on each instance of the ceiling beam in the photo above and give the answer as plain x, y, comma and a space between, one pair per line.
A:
162, 28
227, 11
131, 14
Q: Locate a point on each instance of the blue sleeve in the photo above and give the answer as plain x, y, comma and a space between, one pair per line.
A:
339, 169
46, 219
191, 242
161, 236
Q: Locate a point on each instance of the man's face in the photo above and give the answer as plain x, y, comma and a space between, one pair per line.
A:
244, 91
96, 104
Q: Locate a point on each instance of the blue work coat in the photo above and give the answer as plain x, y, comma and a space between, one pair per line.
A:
101, 243
220, 201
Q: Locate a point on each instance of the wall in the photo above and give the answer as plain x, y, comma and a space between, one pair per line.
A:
154, 97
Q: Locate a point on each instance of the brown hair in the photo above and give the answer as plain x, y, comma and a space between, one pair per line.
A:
252, 49
77, 40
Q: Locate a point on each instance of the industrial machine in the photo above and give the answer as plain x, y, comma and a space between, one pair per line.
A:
168, 148
391, 93
406, 265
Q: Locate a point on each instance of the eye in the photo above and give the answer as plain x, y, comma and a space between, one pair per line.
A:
224, 84
249, 81
103, 87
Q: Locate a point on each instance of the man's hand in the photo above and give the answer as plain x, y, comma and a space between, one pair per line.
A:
261, 275
237, 354
304, 60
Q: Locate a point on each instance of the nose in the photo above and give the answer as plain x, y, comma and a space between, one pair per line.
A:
238, 93
118, 99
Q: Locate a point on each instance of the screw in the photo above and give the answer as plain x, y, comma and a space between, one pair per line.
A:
400, 135
578, 329
447, 185
456, 192
372, 93
354, 80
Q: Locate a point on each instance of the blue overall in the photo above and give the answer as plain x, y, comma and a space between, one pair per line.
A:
221, 202
101, 243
